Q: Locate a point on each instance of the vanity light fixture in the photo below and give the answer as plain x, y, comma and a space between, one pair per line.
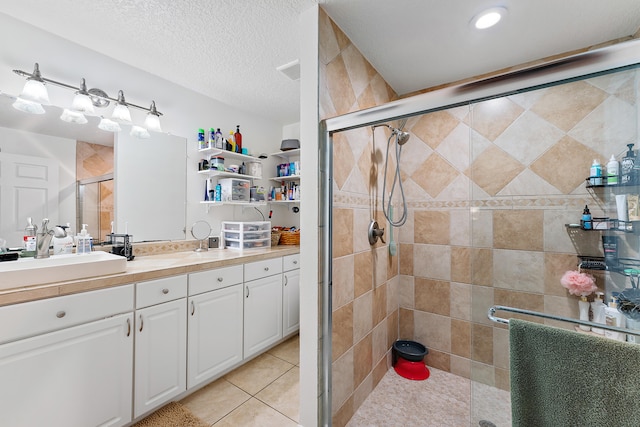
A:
35, 95
488, 17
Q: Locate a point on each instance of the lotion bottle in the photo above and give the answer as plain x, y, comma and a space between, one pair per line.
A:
583, 306
595, 173
613, 171
63, 245
613, 317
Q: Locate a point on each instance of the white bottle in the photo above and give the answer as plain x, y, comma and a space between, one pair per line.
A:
83, 241
63, 245
598, 309
613, 171
595, 173
613, 317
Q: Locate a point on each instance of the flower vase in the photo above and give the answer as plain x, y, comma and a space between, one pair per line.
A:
583, 307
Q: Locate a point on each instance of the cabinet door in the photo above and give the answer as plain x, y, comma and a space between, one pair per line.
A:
262, 313
75, 377
291, 301
215, 333
161, 354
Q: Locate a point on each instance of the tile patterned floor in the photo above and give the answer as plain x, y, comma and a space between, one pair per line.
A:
264, 393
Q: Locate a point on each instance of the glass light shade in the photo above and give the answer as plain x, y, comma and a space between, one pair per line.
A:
140, 132
73, 117
82, 104
35, 91
27, 106
109, 125
121, 114
488, 18
152, 122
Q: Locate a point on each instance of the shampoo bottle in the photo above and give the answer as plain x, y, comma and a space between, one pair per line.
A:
613, 317
586, 218
598, 309
238, 138
613, 171
595, 173
583, 307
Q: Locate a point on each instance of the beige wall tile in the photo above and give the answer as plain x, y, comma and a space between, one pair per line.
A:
560, 105
460, 228
380, 261
379, 342
432, 128
342, 379
343, 160
362, 316
362, 392
461, 338
482, 228
565, 306
435, 175
406, 322
406, 232
432, 296
342, 232
342, 335
460, 306
393, 289
501, 348
461, 264
339, 86
432, 261
461, 366
524, 300
342, 280
556, 236
455, 147
392, 329
439, 360
518, 270
405, 251
518, 229
328, 43
432, 227
433, 330
357, 68
483, 170
379, 304
343, 414
483, 373
405, 291
363, 359
482, 343
502, 379
378, 372
363, 273
491, 118
482, 266
482, 299
359, 230
555, 265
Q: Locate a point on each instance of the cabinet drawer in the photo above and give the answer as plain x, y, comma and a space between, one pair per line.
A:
37, 317
210, 280
291, 262
161, 290
258, 269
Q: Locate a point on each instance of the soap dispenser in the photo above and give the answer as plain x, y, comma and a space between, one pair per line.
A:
626, 166
613, 317
63, 245
598, 310
83, 241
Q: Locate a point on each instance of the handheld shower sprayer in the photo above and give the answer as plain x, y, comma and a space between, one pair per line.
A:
401, 138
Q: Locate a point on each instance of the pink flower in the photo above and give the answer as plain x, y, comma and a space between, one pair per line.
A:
580, 284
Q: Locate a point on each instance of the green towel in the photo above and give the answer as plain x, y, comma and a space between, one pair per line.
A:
562, 378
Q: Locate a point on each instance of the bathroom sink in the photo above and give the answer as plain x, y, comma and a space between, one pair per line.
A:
59, 268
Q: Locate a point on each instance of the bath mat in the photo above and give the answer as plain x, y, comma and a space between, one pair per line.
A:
171, 415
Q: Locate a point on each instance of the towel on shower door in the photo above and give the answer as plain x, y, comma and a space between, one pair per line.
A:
562, 378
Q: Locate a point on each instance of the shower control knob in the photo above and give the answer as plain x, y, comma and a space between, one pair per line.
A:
375, 232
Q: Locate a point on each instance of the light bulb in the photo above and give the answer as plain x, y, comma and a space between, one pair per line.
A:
152, 122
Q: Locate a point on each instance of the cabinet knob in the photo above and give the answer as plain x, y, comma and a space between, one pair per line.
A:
165, 291
61, 314
266, 269
220, 279
295, 262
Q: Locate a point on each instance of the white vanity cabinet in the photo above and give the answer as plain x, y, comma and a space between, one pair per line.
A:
76, 374
262, 305
291, 294
214, 323
160, 342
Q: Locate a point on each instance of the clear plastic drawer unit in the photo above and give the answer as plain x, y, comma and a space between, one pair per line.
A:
246, 235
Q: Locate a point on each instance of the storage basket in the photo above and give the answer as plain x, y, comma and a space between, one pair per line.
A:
290, 238
275, 238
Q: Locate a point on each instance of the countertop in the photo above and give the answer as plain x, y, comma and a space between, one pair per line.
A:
147, 268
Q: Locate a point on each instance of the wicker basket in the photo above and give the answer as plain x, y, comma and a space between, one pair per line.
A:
275, 238
290, 238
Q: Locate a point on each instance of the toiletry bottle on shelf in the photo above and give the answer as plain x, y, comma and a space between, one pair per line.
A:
218, 193
613, 317
238, 138
202, 144
586, 218
626, 166
212, 138
613, 171
63, 245
219, 140
597, 308
232, 142
29, 239
583, 307
595, 173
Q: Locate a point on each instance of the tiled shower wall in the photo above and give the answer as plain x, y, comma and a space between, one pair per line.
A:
490, 189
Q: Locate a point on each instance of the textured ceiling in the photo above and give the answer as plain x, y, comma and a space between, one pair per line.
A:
229, 49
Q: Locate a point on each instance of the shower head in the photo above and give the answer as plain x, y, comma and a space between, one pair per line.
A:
401, 136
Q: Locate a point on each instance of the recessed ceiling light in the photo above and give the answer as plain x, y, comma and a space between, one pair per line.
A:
488, 18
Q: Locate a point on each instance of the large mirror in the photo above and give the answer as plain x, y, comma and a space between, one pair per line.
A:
79, 174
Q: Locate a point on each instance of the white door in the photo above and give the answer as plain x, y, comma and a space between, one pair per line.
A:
161, 354
215, 333
28, 188
262, 313
75, 377
291, 301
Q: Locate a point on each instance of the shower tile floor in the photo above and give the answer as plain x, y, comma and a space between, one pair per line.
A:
441, 400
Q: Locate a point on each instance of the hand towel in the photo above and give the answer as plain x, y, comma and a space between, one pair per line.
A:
562, 378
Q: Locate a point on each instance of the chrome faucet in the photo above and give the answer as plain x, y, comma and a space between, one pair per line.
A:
44, 236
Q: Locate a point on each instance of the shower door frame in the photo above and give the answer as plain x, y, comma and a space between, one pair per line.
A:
564, 70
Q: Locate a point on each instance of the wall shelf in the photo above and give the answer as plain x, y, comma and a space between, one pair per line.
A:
287, 154
229, 154
285, 178
209, 205
221, 174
